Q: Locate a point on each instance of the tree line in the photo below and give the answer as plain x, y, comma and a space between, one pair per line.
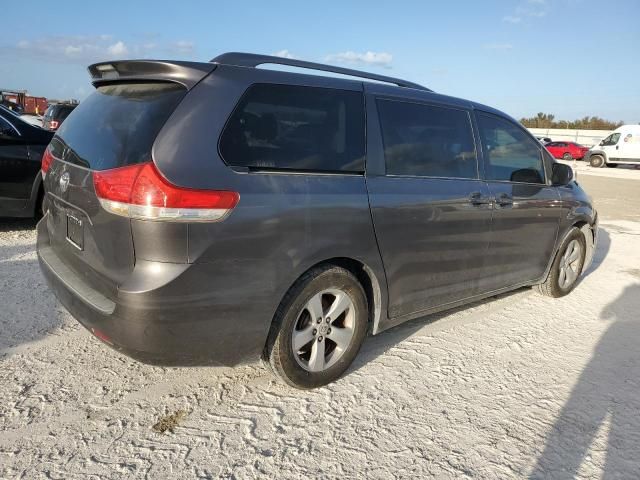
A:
547, 120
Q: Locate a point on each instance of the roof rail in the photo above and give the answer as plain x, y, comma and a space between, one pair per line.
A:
253, 60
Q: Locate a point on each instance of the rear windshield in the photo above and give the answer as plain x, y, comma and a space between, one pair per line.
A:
64, 112
117, 124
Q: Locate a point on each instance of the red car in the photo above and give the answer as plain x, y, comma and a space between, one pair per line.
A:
566, 150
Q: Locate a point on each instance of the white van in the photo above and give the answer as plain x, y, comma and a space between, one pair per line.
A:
622, 146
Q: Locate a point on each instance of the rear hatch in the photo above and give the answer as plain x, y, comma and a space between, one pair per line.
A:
114, 127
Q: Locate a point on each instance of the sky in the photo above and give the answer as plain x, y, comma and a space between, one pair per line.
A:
571, 58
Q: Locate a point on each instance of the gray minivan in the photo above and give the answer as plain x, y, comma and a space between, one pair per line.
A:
218, 213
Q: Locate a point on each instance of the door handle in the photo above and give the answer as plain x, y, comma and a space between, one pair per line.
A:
504, 200
476, 198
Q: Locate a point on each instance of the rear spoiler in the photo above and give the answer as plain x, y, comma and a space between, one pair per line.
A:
187, 74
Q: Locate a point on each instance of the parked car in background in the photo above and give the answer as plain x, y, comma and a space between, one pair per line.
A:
20, 102
543, 140
31, 119
566, 150
222, 213
21, 149
56, 114
12, 106
621, 147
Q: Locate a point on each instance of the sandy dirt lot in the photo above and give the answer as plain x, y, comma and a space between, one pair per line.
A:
617, 196
517, 386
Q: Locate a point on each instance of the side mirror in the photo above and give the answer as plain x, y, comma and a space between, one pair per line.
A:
561, 174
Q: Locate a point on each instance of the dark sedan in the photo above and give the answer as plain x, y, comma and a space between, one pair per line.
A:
21, 149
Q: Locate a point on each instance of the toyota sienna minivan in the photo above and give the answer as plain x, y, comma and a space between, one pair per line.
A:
219, 213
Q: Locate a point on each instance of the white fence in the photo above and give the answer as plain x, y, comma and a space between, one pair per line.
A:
588, 138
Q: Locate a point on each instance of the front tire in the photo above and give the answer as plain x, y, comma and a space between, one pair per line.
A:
567, 266
319, 328
597, 161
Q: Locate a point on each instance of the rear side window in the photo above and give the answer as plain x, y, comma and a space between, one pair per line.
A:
117, 124
429, 141
296, 128
510, 155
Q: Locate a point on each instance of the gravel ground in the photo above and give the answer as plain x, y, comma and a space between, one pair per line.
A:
517, 386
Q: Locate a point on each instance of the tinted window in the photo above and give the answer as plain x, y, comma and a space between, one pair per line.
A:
6, 128
509, 153
64, 112
300, 128
425, 140
117, 124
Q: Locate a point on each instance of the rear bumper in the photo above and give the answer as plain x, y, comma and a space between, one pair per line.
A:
181, 322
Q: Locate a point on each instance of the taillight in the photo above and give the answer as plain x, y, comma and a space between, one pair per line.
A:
47, 158
140, 191
53, 124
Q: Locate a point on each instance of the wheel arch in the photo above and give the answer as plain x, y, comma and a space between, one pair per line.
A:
37, 193
363, 273
602, 153
590, 236
369, 282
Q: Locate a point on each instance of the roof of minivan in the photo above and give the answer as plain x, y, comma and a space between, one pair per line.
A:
378, 84
252, 60
189, 73
413, 94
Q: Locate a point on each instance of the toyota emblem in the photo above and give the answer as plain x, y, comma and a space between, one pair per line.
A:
64, 182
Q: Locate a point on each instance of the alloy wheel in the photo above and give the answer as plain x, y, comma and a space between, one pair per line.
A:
570, 264
323, 330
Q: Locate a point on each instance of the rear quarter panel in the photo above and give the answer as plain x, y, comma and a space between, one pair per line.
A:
284, 223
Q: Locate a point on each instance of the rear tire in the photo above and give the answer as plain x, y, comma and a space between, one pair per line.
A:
307, 348
567, 156
597, 161
567, 266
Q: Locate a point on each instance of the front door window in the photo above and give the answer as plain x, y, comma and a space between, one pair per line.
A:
611, 140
